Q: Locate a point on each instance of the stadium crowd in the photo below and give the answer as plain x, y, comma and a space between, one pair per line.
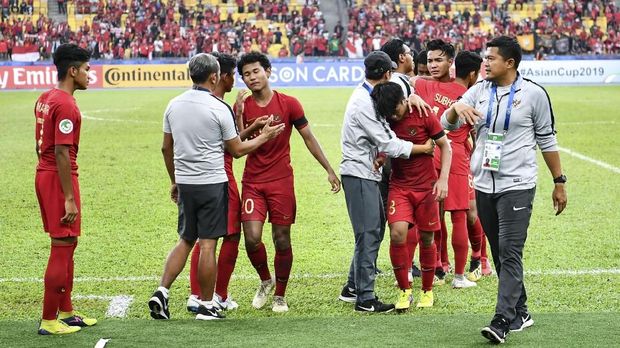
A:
152, 29
559, 21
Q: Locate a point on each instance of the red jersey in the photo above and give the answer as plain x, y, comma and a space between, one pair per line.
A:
272, 161
58, 122
440, 96
228, 166
416, 173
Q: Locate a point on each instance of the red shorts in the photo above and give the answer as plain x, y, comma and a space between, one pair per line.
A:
276, 198
460, 192
415, 207
52, 204
234, 209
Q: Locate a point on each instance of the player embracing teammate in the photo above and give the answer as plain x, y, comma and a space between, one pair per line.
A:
415, 191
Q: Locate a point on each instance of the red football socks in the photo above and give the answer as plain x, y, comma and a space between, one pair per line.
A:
460, 242
412, 243
475, 238
55, 280
194, 284
225, 266
65, 301
438, 237
443, 253
258, 258
428, 259
283, 263
399, 256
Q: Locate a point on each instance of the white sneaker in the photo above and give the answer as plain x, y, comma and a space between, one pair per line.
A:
263, 292
279, 304
227, 305
460, 282
193, 302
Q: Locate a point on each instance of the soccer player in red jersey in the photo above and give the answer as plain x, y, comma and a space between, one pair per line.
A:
467, 67
57, 137
229, 250
415, 191
402, 55
267, 184
441, 92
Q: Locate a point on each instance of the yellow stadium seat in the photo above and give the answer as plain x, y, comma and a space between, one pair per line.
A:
274, 49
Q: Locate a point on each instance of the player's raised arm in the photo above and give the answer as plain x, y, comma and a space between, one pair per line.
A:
237, 148
245, 133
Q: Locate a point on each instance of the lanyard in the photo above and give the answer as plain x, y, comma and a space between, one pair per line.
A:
492, 97
367, 87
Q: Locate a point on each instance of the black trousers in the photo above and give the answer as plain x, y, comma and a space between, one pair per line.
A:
505, 218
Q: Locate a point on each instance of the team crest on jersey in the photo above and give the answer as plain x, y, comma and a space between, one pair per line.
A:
516, 103
65, 126
277, 118
412, 131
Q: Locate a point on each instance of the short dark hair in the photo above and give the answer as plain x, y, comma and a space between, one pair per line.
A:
440, 45
253, 57
421, 58
373, 75
466, 62
227, 62
385, 97
201, 66
507, 47
394, 48
68, 55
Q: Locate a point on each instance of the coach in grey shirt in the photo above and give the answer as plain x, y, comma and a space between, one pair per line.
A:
512, 116
198, 127
364, 136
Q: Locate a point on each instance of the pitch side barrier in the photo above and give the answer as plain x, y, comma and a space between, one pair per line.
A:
286, 73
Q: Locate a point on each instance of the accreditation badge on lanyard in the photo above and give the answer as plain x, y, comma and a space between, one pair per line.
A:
494, 143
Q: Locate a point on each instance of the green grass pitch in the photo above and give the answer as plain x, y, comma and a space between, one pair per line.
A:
129, 226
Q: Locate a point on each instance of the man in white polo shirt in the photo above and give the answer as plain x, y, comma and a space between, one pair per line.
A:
198, 127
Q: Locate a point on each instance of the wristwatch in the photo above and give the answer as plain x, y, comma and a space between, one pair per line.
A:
560, 179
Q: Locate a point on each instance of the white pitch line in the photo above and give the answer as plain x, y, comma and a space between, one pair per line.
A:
574, 272
590, 159
87, 117
100, 111
557, 272
118, 304
586, 123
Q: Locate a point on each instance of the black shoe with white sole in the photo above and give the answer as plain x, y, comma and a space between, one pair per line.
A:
498, 329
158, 304
348, 295
212, 313
523, 320
373, 306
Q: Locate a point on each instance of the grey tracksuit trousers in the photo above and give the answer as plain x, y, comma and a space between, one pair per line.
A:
366, 213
